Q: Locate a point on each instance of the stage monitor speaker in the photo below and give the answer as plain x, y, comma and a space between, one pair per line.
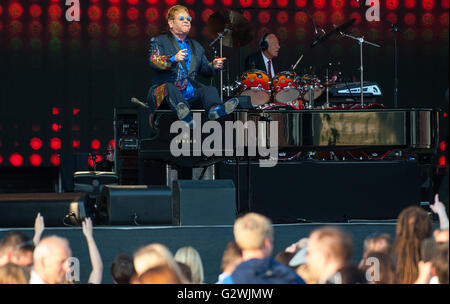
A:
203, 202
20, 210
138, 205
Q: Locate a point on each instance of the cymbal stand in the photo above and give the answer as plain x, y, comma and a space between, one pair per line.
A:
361, 41
327, 103
220, 39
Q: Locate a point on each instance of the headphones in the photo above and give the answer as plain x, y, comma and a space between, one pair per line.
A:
264, 45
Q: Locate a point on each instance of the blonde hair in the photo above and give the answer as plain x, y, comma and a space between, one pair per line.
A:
251, 230
335, 241
189, 256
171, 12
14, 274
155, 255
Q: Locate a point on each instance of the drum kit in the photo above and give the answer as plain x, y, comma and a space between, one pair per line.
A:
287, 88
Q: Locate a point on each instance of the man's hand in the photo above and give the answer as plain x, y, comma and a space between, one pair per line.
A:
181, 55
87, 227
39, 227
218, 62
438, 207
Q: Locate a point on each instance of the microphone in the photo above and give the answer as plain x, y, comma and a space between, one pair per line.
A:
315, 42
138, 102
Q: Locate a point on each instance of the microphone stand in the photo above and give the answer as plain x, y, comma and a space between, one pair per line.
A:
220, 38
361, 41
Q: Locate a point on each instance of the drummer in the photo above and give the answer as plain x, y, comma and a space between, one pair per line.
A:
265, 58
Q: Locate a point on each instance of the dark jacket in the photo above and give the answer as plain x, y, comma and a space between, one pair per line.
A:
263, 271
256, 61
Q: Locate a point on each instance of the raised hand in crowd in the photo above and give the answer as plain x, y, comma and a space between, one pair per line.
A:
39, 227
96, 260
439, 208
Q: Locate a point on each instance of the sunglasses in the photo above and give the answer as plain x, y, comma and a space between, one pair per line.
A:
187, 18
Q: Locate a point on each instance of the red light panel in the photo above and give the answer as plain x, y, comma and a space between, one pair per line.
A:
56, 111
133, 2
113, 13
35, 143
227, 2
152, 1
320, 18
442, 161
98, 158
35, 28
428, 4
111, 144
337, 4
428, 19
410, 19
56, 127
442, 145
392, 18
35, 160
15, 10
264, 17
16, 160
247, 15
76, 144
1, 159
95, 144
35, 11
354, 3
246, 3
392, 4
409, 4
133, 13
1, 10
54, 11
151, 14
356, 16
264, 3
443, 19
94, 13
282, 17
54, 160
337, 18
94, 29
301, 18
114, 1
55, 143
189, 1
300, 3
319, 3
171, 2
444, 4
282, 3
208, 2
206, 13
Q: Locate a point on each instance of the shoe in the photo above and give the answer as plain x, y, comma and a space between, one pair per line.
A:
182, 111
189, 121
224, 109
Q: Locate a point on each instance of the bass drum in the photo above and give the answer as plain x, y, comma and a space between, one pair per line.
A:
256, 84
286, 87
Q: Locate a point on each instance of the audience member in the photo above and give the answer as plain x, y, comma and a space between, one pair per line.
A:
329, 250
254, 235
284, 258
376, 243
440, 264
413, 226
122, 269
232, 256
14, 274
441, 236
161, 274
190, 256
379, 268
51, 261
16, 248
186, 271
439, 208
349, 274
298, 262
97, 265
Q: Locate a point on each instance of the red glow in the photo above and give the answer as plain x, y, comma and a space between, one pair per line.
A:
337, 18
356, 16
227, 2
192, 14
55, 143
301, 18
171, 2
15, 27
133, 30
35, 127
320, 18
35, 10
410, 4
152, 1
247, 15
113, 30
113, 13
76, 144
54, 160
56, 111
282, 3
392, 4
443, 19
114, 1
444, 4
189, 1
428, 4
55, 28
54, 11
112, 143
442, 161
1, 159
15, 10
319, 3
98, 158
133, 13
94, 29
354, 3
35, 143
445, 114
300, 3
208, 2
410, 19
94, 13
427, 19
95, 144
75, 111
282, 17
1, 10
133, 2
35, 160
246, 3
35, 28
151, 14
442, 145
337, 4
264, 3
56, 127
264, 17
392, 18
206, 13
16, 159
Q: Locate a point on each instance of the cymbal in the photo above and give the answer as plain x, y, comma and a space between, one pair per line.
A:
241, 32
339, 28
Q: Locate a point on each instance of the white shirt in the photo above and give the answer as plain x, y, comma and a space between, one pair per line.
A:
35, 278
266, 63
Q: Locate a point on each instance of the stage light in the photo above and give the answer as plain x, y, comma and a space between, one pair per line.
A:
246, 3
428, 19
76, 144
35, 28
171, 2
264, 3
152, 30
208, 2
56, 111
35, 127
443, 19
35, 11
409, 4
300, 33
356, 16
16, 159
1, 159
54, 160
56, 127
301, 18
320, 18
132, 2
113, 13
410, 19
15, 10
133, 30
94, 13
264, 17
442, 161
392, 18
392, 4
442, 145
114, 1
113, 30
206, 13
94, 29
410, 34
98, 158
428, 4
35, 143
227, 2
247, 15
282, 17
354, 3
282, 3
444, 4
337, 18
190, 2
15, 27
111, 144
55, 28
55, 143
192, 14
152, 1
35, 160
54, 11
133, 13
95, 144
151, 14
427, 35
74, 29
319, 3
337, 4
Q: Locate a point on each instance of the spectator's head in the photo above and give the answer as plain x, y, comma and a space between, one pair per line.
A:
440, 263
161, 274
441, 236
190, 256
16, 248
232, 256
413, 226
348, 274
122, 269
254, 235
154, 255
376, 243
14, 274
379, 268
329, 249
51, 259
186, 271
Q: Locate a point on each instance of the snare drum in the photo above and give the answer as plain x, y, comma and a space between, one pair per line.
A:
256, 84
285, 87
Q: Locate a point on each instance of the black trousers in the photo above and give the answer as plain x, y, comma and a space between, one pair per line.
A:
204, 97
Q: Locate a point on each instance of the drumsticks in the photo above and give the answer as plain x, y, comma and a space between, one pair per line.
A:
295, 65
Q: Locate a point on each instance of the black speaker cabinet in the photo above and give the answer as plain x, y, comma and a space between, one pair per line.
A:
20, 210
203, 202
138, 205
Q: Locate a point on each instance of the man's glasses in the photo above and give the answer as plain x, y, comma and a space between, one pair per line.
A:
187, 18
